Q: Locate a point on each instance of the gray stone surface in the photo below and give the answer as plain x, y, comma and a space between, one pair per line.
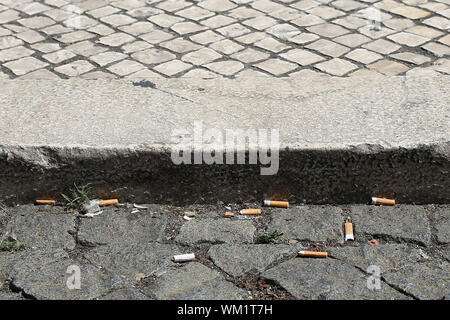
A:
441, 220
121, 226
405, 222
312, 223
216, 231
240, 260
125, 294
128, 259
194, 281
42, 274
49, 227
9, 296
374, 130
326, 279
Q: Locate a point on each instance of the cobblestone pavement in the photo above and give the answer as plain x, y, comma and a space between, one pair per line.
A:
92, 39
122, 254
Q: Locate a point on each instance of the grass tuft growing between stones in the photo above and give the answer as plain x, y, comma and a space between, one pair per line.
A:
78, 196
270, 237
12, 245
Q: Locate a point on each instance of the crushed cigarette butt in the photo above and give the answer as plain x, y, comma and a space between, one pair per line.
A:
189, 214
292, 241
373, 242
229, 214
186, 218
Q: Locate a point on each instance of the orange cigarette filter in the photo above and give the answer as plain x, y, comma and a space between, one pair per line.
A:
229, 214
110, 202
383, 201
313, 254
251, 211
49, 202
278, 204
349, 229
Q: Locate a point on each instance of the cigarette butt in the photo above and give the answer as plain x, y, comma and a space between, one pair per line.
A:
183, 257
278, 204
373, 242
313, 254
189, 214
110, 202
49, 202
383, 201
229, 214
348, 226
250, 211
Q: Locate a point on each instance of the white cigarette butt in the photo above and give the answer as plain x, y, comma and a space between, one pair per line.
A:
184, 257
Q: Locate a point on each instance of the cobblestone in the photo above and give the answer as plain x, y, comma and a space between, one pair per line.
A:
234, 29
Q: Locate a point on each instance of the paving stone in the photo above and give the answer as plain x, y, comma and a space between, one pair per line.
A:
260, 23
4, 32
138, 28
312, 223
308, 20
172, 67
350, 22
241, 260
271, 44
25, 65
47, 228
441, 219
105, 58
305, 279
363, 56
398, 24
201, 57
58, 56
75, 68
226, 46
30, 36
9, 42
217, 21
128, 259
233, 30
409, 39
206, 37
97, 75
164, 20
129, 4
286, 14
422, 72
40, 74
442, 65
60, 15
410, 12
438, 22
75, 36
80, 22
276, 67
156, 36
327, 30
173, 5
216, 231
302, 57
304, 37
226, 68
101, 29
328, 48
50, 282
217, 5
283, 31
249, 73
375, 34
200, 74
153, 55
85, 48
8, 16
46, 47
36, 22
325, 12
405, 222
14, 53
363, 73
352, 40
135, 46
388, 67
411, 57
180, 45
194, 281
103, 11
186, 27
56, 30
195, 13
144, 74
250, 55
382, 46
445, 40
144, 12
115, 39
120, 226
348, 5
251, 37
305, 4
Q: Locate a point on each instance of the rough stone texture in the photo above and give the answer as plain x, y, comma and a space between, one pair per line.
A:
406, 222
311, 223
128, 259
216, 231
194, 281
42, 275
119, 225
305, 279
49, 227
441, 220
125, 294
240, 260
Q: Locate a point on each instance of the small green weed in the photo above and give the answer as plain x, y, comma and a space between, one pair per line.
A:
270, 237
